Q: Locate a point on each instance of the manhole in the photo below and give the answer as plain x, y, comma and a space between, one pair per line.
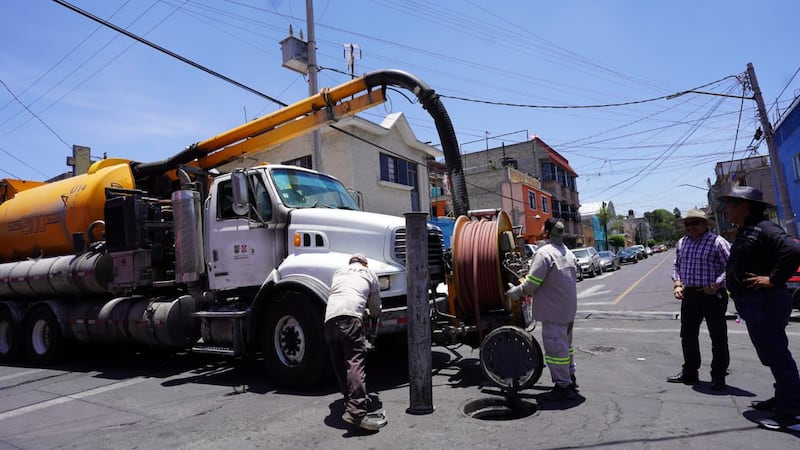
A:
595, 349
499, 408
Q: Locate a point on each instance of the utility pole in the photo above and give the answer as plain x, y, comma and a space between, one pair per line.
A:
316, 140
769, 135
604, 211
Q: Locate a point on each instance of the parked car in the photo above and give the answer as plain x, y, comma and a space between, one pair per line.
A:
589, 261
648, 250
658, 248
609, 260
628, 256
642, 252
794, 289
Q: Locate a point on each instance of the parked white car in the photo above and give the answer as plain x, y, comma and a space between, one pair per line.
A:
588, 261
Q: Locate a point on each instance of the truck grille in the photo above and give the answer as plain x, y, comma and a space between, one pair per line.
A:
435, 252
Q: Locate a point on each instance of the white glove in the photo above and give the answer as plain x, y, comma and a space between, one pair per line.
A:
514, 293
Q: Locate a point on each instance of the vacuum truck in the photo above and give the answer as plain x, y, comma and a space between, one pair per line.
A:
173, 254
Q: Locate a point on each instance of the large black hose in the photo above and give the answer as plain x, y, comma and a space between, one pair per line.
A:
381, 78
431, 102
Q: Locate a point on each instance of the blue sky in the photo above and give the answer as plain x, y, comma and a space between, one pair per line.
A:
84, 84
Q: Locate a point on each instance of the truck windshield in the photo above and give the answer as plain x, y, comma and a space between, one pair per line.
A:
299, 189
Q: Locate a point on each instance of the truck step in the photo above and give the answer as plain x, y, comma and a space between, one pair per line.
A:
209, 350
221, 314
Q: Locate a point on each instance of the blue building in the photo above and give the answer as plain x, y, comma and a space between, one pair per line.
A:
787, 142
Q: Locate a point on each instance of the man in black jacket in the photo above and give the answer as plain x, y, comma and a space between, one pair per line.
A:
763, 257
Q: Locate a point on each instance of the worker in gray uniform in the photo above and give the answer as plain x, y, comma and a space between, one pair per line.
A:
551, 281
354, 292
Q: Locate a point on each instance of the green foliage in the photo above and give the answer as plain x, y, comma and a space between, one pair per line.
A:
617, 241
662, 225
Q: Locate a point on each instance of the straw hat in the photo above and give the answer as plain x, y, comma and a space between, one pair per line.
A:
696, 214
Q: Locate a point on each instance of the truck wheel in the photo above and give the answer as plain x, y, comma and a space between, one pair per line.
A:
9, 337
511, 358
293, 341
45, 342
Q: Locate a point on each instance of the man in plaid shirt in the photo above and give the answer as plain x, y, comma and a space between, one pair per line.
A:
698, 273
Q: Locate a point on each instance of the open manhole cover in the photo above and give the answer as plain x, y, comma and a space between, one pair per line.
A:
499, 408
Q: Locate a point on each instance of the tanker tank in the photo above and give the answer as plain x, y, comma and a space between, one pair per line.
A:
40, 222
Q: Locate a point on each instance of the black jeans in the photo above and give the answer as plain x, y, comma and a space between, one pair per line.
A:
695, 307
348, 349
766, 313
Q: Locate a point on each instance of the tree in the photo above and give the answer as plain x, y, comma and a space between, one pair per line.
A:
676, 212
618, 224
662, 223
617, 241
604, 216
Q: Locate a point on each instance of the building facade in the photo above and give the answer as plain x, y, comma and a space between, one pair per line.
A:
755, 171
384, 164
787, 141
555, 194
595, 232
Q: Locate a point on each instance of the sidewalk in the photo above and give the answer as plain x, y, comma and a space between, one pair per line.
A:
625, 399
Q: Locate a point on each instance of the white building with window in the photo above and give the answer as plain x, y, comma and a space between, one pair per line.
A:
384, 164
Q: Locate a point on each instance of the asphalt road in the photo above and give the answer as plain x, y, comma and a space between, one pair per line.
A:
626, 338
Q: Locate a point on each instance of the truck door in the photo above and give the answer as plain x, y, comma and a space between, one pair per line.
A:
242, 247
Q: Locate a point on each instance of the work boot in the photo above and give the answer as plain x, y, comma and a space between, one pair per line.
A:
561, 393
781, 422
718, 384
684, 377
370, 422
764, 405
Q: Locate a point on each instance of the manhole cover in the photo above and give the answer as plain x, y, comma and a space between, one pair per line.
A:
594, 349
499, 409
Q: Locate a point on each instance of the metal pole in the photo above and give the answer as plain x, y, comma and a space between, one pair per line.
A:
316, 140
605, 223
777, 166
420, 379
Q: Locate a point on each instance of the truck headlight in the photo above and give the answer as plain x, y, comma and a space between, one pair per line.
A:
384, 282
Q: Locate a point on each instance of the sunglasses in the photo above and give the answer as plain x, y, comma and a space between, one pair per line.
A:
692, 223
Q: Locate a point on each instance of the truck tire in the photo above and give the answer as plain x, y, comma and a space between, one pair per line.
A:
293, 342
9, 337
45, 342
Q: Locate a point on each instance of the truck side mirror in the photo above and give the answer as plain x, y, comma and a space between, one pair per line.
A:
241, 204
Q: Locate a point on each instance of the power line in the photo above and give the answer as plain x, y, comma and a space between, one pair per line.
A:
168, 52
36, 116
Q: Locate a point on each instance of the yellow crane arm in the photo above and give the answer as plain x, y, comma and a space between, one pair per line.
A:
286, 124
309, 114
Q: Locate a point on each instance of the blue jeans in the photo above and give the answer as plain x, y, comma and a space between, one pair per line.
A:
766, 313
